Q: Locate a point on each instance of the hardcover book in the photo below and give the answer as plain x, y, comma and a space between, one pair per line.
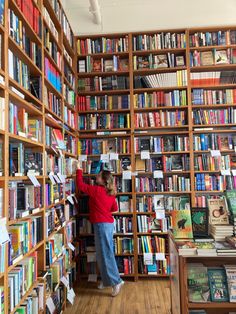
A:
199, 217
182, 224
218, 211
198, 287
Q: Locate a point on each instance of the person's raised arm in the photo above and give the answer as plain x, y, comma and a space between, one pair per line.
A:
83, 187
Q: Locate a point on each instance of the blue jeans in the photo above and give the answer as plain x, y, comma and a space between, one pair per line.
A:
105, 254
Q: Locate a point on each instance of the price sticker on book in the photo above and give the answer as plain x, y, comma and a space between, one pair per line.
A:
70, 199
215, 153
65, 281
158, 174
233, 172
71, 295
61, 177
71, 246
82, 157
114, 156
50, 305
51, 177
91, 257
57, 179
145, 155
104, 158
148, 258
160, 213
126, 175
225, 172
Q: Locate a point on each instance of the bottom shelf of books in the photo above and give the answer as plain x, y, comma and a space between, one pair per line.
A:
202, 284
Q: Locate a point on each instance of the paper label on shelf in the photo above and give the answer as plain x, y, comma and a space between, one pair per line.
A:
71, 246
215, 153
62, 177
226, 172
65, 281
145, 155
126, 175
51, 177
160, 257
70, 199
92, 278
233, 172
4, 236
75, 198
160, 213
83, 157
158, 174
114, 156
70, 296
134, 174
57, 179
104, 158
91, 257
50, 305
22, 134
34, 180
148, 258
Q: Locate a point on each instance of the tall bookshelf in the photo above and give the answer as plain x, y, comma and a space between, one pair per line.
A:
164, 109
41, 103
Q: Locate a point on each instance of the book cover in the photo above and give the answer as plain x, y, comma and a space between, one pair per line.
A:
182, 224
218, 211
218, 284
221, 57
198, 287
199, 217
207, 58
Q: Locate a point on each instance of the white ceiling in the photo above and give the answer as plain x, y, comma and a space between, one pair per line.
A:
137, 15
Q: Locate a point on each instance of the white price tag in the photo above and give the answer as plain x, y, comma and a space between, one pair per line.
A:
114, 156
158, 174
57, 179
160, 257
91, 257
226, 172
70, 199
50, 305
160, 214
82, 157
126, 175
233, 172
65, 281
71, 246
51, 177
215, 153
104, 158
61, 177
148, 258
145, 155
34, 180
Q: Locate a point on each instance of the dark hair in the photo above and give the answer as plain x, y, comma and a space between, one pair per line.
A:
108, 181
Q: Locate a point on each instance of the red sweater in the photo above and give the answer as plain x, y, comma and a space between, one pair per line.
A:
101, 205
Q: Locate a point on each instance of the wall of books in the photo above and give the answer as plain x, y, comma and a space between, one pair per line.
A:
38, 143
157, 109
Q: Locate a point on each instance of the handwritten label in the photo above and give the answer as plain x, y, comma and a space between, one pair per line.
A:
114, 156
158, 174
148, 258
145, 155
215, 153
126, 175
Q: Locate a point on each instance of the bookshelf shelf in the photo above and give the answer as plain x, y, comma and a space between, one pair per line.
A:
167, 193
143, 90
69, 106
158, 70
211, 86
104, 130
29, 107
163, 127
212, 47
97, 111
212, 305
52, 13
25, 140
105, 92
104, 55
153, 275
23, 178
215, 131
68, 83
91, 74
158, 51
160, 108
214, 106
55, 116
167, 153
214, 67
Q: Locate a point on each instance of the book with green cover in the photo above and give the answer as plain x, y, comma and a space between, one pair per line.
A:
182, 224
198, 286
231, 200
218, 284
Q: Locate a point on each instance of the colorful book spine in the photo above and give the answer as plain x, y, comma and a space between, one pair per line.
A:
175, 183
101, 146
160, 119
103, 102
207, 182
104, 121
53, 75
213, 97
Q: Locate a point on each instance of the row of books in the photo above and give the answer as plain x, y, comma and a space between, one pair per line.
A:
102, 45
160, 119
151, 203
54, 248
175, 183
24, 235
212, 78
18, 32
151, 224
99, 83
125, 265
218, 283
214, 142
161, 144
70, 144
104, 146
32, 15
213, 97
158, 41
52, 75
176, 98
123, 245
24, 199
1, 202
156, 268
178, 78
85, 226
69, 95
24, 161
53, 193
55, 4
217, 38
20, 123
104, 121
94, 166
90, 64
21, 279
214, 116
50, 24
56, 273
52, 102
2, 113
106, 102
152, 244
70, 118
69, 76
207, 182
67, 29
52, 48
57, 297
68, 57
205, 162
54, 138
164, 163
123, 225
213, 57
169, 60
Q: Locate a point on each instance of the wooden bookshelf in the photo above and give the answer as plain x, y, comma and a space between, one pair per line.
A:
36, 108
190, 129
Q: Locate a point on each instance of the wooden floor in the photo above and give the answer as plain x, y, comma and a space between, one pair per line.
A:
142, 297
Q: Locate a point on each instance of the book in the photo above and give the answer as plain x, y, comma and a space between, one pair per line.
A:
231, 281
52, 75
218, 211
218, 284
182, 224
199, 216
198, 286
221, 57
